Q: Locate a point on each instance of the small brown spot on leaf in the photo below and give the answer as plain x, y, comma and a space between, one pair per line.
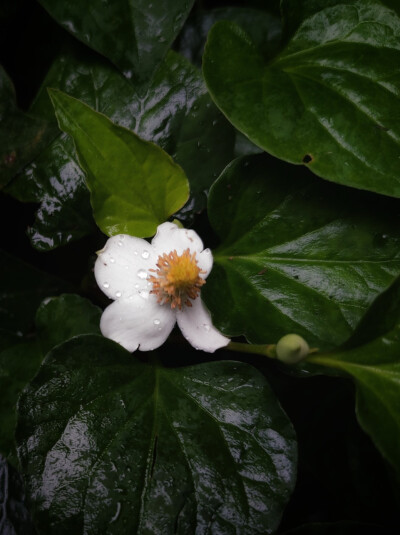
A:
262, 271
307, 158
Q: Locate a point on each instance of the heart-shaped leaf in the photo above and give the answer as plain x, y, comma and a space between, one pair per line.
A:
134, 34
297, 254
125, 446
134, 184
22, 137
175, 112
329, 99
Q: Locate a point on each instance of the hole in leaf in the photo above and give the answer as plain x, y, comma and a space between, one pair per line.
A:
307, 158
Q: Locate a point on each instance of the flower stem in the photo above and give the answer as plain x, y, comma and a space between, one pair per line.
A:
266, 350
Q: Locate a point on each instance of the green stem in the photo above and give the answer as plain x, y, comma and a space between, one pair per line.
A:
258, 349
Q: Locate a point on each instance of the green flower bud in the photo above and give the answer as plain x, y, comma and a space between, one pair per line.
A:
291, 349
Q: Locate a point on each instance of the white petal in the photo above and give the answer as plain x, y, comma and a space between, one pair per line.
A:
195, 324
121, 269
170, 237
137, 323
205, 262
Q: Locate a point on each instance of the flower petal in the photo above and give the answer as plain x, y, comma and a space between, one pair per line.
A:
137, 323
196, 326
205, 262
169, 237
121, 269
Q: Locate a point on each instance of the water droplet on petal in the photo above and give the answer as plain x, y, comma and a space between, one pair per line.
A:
206, 327
118, 294
156, 322
135, 252
106, 285
142, 274
137, 286
144, 293
112, 260
119, 243
145, 254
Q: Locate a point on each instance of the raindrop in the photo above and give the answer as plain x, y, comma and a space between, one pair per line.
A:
156, 322
145, 254
206, 327
142, 274
144, 293
112, 260
106, 285
135, 252
137, 286
118, 294
214, 122
119, 244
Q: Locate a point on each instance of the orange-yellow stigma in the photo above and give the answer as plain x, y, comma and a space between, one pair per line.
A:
177, 279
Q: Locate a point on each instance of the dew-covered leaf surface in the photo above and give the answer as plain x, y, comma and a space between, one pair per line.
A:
329, 99
296, 254
109, 444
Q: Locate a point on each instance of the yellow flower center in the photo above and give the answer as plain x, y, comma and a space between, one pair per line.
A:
177, 279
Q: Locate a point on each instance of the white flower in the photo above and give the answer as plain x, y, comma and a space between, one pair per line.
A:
153, 285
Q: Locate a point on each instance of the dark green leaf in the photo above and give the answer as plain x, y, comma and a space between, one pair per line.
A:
175, 112
60, 318
329, 100
297, 254
22, 137
15, 518
134, 34
127, 447
134, 184
375, 367
22, 288
372, 357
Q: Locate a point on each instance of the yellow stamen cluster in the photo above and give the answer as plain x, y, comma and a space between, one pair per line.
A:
177, 279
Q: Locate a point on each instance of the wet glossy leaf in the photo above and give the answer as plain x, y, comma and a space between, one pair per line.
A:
57, 319
175, 112
131, 447
22, 288
297, 254
14, 518
22, 137
134, 34
60, 318
329, 99
134, 184
375, 367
